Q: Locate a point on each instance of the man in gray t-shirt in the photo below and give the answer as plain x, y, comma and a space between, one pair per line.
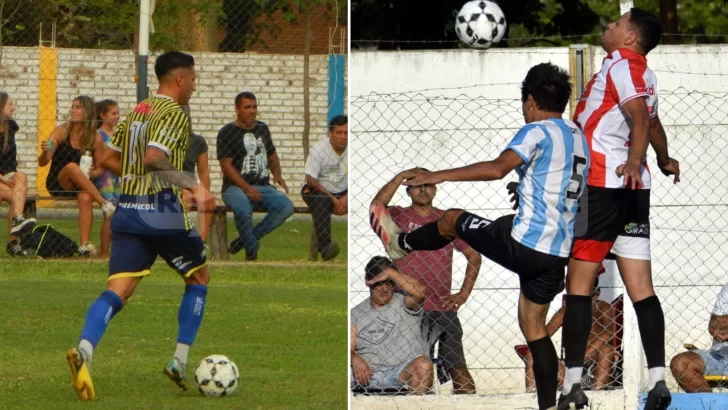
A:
388, 349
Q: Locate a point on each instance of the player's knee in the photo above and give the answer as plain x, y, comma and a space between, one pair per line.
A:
20, 177
84, 198
685, 362
200, 277
123, 288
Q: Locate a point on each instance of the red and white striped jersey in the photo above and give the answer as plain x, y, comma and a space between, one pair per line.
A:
623, 77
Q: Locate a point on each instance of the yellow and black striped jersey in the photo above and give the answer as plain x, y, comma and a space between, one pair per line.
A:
158, 122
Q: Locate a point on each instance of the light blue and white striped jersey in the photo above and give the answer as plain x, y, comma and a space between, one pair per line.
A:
552, 178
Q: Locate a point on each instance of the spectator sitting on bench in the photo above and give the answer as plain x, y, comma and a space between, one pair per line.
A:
599, 353
196, 165
388, 350
326, 185
63, 150
107, 118
688, 368
13, 183
246, 154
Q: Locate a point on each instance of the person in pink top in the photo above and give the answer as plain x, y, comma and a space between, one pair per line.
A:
434, 269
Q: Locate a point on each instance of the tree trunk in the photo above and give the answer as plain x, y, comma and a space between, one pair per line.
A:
306, 102
313, 245
668, 18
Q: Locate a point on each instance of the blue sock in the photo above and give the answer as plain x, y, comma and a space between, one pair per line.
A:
98, 316
190, 314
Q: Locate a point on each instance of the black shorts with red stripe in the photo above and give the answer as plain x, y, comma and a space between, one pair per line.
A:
612, 220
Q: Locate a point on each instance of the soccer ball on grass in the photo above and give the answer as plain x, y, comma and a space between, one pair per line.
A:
480, 24
217, 375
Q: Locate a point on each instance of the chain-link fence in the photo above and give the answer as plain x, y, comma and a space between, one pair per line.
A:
479, 341
60, 60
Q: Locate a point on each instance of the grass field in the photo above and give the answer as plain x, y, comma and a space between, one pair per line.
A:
287, 243
284, 324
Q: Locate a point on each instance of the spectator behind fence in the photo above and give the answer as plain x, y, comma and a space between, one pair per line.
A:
388, 350
63, 150
600, 354
13, 183
107, 118
326, 188
689, 368
246, 154
434, 270
196, 165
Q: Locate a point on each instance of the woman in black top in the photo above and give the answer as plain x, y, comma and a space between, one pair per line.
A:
63, 151
13, 183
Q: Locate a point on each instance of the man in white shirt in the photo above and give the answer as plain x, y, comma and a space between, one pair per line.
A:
326, 186
689, 368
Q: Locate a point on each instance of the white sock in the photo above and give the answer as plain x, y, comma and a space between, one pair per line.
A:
571, 375
87, 348
656, 374
181, 352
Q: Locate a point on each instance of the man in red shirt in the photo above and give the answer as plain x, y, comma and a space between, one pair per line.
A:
618, 114
434, 269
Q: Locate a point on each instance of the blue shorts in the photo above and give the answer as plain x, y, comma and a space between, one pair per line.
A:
132, 255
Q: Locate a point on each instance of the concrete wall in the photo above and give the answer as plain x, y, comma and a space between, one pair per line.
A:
441, 109
277, 81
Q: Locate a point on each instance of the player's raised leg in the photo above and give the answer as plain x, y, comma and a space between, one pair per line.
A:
185, 252
428, 237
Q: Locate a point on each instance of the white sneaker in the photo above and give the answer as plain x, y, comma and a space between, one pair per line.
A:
387, 230
87, 250
108, 209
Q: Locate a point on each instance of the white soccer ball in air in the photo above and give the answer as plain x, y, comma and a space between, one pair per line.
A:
480, 24
217, 375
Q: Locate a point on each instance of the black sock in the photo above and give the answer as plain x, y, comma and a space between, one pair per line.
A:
651, 321
545, 371
576, 329
425, 238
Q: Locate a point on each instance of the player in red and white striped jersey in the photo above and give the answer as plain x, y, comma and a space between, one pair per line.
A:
618, 114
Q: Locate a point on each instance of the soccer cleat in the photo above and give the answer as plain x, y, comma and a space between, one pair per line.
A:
177, 372
22, 226
386, 230
576, 399
13, 248
108, 209
87, 250
659, 397
81, 375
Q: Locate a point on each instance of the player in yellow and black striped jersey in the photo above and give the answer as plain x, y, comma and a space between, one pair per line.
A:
159, 122
147, 153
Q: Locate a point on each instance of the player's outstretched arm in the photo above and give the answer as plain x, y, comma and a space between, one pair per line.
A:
658, 140
384, 196
481, 171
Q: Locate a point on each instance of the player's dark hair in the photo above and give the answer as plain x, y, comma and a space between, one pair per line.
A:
338, 121
102, 107
648, 28
549, 85
377, 265
245, 94
171, 60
